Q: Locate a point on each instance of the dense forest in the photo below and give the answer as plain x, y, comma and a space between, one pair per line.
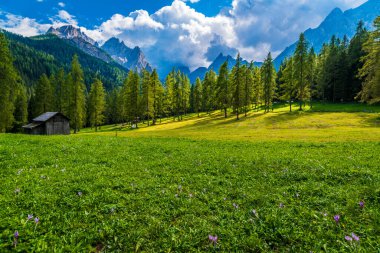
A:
344, 71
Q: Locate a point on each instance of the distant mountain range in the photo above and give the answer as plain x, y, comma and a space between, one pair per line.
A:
112, 50
337, 23
216, 64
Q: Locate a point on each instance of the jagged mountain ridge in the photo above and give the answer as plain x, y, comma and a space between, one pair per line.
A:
337, 23
131, 58
79, 39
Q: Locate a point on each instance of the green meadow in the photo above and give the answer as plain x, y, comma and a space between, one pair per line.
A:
268, 183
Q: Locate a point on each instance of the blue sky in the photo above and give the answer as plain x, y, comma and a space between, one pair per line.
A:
178, 32
90, 13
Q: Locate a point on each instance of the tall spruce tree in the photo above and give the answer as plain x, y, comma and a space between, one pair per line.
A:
237, 86
198, 96
288, 83
8, 83
43, 97
268, 78
147, 96
96, 104
248, 88
355, 53
370, 72
300, 71
77, 92
223, 89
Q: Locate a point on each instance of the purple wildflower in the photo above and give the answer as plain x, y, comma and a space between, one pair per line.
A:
281, 205
225, 199
30, 216
213, 239
361, 204
16, 235
355, 237
325, 214
36, 220
17, 190
80, 194
190, 195
348, 238
236, 205
337, 218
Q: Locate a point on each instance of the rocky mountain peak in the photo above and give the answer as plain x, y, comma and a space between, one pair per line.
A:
70, 32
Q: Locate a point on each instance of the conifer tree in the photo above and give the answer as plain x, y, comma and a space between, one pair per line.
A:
223, 89
8, 82
147, 96
370, 72
288, 83
198, 96
248, 87
96, 104
77, 92
157, 95
268, 78
132, 98
238, 88
60, 94
43, 97
300, 70
257, 88
355, 53
185, 94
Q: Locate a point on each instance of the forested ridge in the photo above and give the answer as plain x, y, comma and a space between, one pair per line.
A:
344, 71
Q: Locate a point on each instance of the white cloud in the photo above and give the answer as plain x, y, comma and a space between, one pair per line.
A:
62, 4
22, 25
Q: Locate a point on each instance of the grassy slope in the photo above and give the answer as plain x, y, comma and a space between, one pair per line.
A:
129, 186
324, 124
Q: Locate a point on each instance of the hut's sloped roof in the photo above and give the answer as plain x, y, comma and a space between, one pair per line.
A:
46, 116
32, 125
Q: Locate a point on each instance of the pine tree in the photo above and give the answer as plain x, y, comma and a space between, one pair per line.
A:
238, 88
311, 74
355, 53
132, 98
248, 87
77, 92
257, 89
157, 95
223, 89
185, 94
43, 97
198, 96
370, 72
268, 78
21, 107
288, 82
208, 91
169, 94
59, 90
8, 82
96, 104
300, 70
147, 96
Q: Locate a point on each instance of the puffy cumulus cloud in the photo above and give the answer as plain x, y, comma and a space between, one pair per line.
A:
174, 35
61, 4
21, 25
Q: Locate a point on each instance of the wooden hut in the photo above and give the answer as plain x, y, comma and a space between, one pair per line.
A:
49, 123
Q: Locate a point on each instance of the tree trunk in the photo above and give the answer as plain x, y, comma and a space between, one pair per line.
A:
225, 112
